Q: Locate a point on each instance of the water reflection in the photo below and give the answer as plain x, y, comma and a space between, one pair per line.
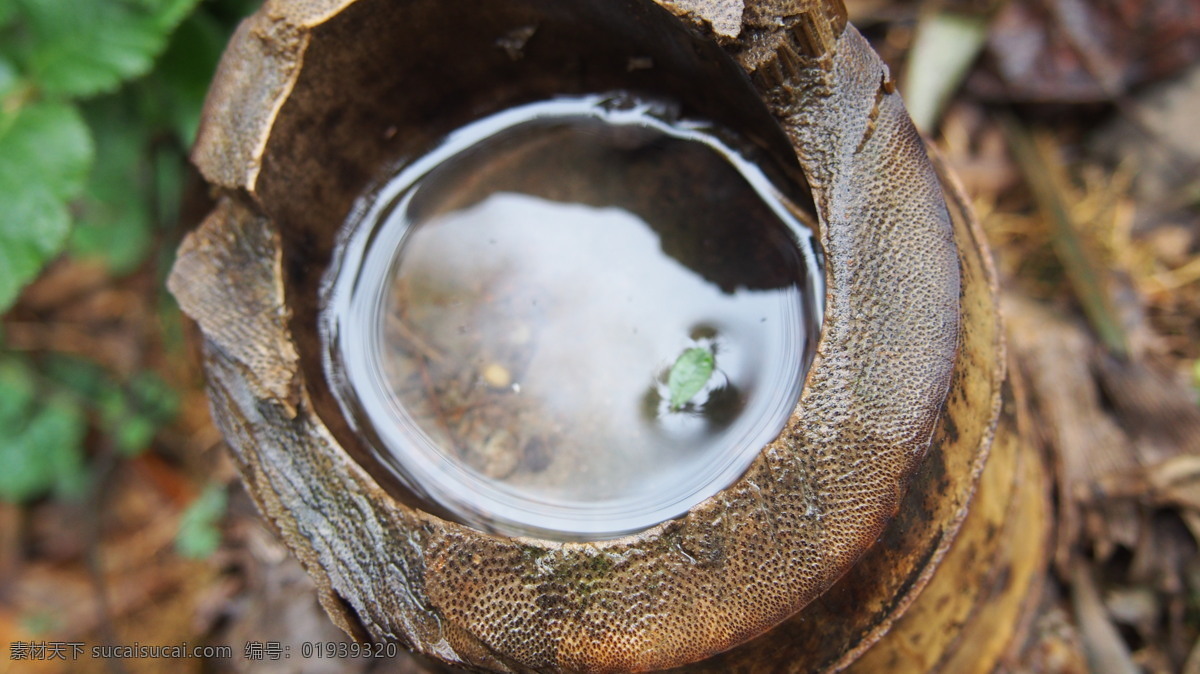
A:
508, 335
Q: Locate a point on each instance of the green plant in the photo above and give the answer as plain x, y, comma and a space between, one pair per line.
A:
99, 100
41, 448
46, 411
689, 375
54, 54
128, 413
199, 535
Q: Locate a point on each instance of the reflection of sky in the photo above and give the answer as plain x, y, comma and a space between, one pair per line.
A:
614, 312
622, 310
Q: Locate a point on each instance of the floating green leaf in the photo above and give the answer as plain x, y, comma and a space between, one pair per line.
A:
199, 535
86, 47
45, 153
689, 374
40, 449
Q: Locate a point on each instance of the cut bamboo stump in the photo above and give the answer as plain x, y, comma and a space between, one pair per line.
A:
874, 532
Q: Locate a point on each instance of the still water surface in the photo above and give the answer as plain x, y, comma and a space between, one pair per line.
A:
505, 313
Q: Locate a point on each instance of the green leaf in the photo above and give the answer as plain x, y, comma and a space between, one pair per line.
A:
42, 444
113, 222
17, 390
149, 405
230, 12
689, 374
181, 78
85, 379
46, 143
9, 77
170, 175
133, 434
86, 47
154, 397
42, 622
128, 414
45, 153
198, 535
115, 233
